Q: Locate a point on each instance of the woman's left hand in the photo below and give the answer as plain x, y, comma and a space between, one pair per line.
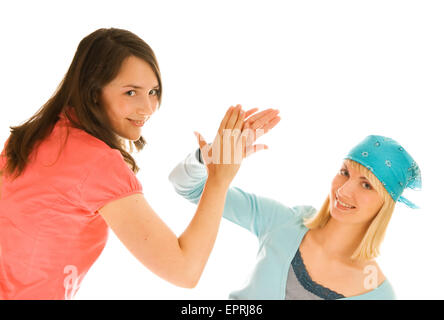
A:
258, 125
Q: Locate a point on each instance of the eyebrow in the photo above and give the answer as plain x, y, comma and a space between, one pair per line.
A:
137, 87
347, 170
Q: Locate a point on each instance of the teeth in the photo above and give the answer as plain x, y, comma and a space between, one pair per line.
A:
344, 204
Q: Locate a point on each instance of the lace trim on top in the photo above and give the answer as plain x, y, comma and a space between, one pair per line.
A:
306, 281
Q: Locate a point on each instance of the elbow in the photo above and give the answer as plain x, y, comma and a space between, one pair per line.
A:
191, 277
190, 285
187, 282
184, 275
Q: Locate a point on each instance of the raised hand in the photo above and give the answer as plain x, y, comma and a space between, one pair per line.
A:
256, 126
235, 140
224, 156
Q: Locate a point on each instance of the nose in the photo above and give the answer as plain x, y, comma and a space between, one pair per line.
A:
347, 190
149, 106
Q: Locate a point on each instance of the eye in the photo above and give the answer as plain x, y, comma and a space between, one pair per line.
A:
343, 172
367, 185
131, 93
154, 92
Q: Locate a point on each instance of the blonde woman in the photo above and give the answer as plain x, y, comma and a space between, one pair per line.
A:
329, 253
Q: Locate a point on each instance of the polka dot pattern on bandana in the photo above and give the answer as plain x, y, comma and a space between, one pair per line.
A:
390, 163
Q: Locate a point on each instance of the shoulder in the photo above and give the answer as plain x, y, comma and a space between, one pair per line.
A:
303, 212
384, 291
81, 145
84, 141
77, 137
99, 162
377, 285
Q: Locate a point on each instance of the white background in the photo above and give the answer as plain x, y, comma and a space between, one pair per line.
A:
336, 70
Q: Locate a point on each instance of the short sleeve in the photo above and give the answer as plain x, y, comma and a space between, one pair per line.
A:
108, 179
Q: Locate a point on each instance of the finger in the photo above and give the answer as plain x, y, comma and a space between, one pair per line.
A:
244, 145
264, 119
259, 132
200, 140
225, 119
248, 138
233, 117
271, 124
250, 112
254, 134
258, 115
238, 138
236, 145
248, 133
247, 114
240, 121
206, 151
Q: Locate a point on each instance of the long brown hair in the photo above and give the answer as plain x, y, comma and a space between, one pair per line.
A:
96, 62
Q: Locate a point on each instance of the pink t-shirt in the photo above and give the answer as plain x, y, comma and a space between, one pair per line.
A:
50, 230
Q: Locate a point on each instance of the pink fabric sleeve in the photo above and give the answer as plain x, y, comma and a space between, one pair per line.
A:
109, 179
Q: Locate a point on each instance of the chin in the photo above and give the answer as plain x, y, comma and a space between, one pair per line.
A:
355, 218
134, 139
130, 137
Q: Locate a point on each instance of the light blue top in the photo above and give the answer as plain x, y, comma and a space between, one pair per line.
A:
279, 229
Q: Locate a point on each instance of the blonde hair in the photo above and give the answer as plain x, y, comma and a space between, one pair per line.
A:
368, 249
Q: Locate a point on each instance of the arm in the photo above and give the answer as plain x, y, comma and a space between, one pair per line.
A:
178, 260
254, 213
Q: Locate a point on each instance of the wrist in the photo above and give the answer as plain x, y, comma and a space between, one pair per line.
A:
215, 181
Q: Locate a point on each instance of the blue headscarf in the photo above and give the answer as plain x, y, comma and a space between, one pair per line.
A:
390, 163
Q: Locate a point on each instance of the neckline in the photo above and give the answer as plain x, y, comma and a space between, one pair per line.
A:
308, 283
360, 296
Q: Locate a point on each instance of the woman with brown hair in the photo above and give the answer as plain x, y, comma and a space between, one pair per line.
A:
66, 175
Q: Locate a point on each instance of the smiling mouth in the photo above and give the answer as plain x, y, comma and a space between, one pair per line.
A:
137, 123
342, 205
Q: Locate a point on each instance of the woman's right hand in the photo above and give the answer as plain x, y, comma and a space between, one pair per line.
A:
224, 156
235, 141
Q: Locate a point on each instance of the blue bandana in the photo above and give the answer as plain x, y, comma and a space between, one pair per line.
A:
390, 163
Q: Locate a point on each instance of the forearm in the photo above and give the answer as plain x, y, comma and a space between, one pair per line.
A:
197, 241
243, 208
